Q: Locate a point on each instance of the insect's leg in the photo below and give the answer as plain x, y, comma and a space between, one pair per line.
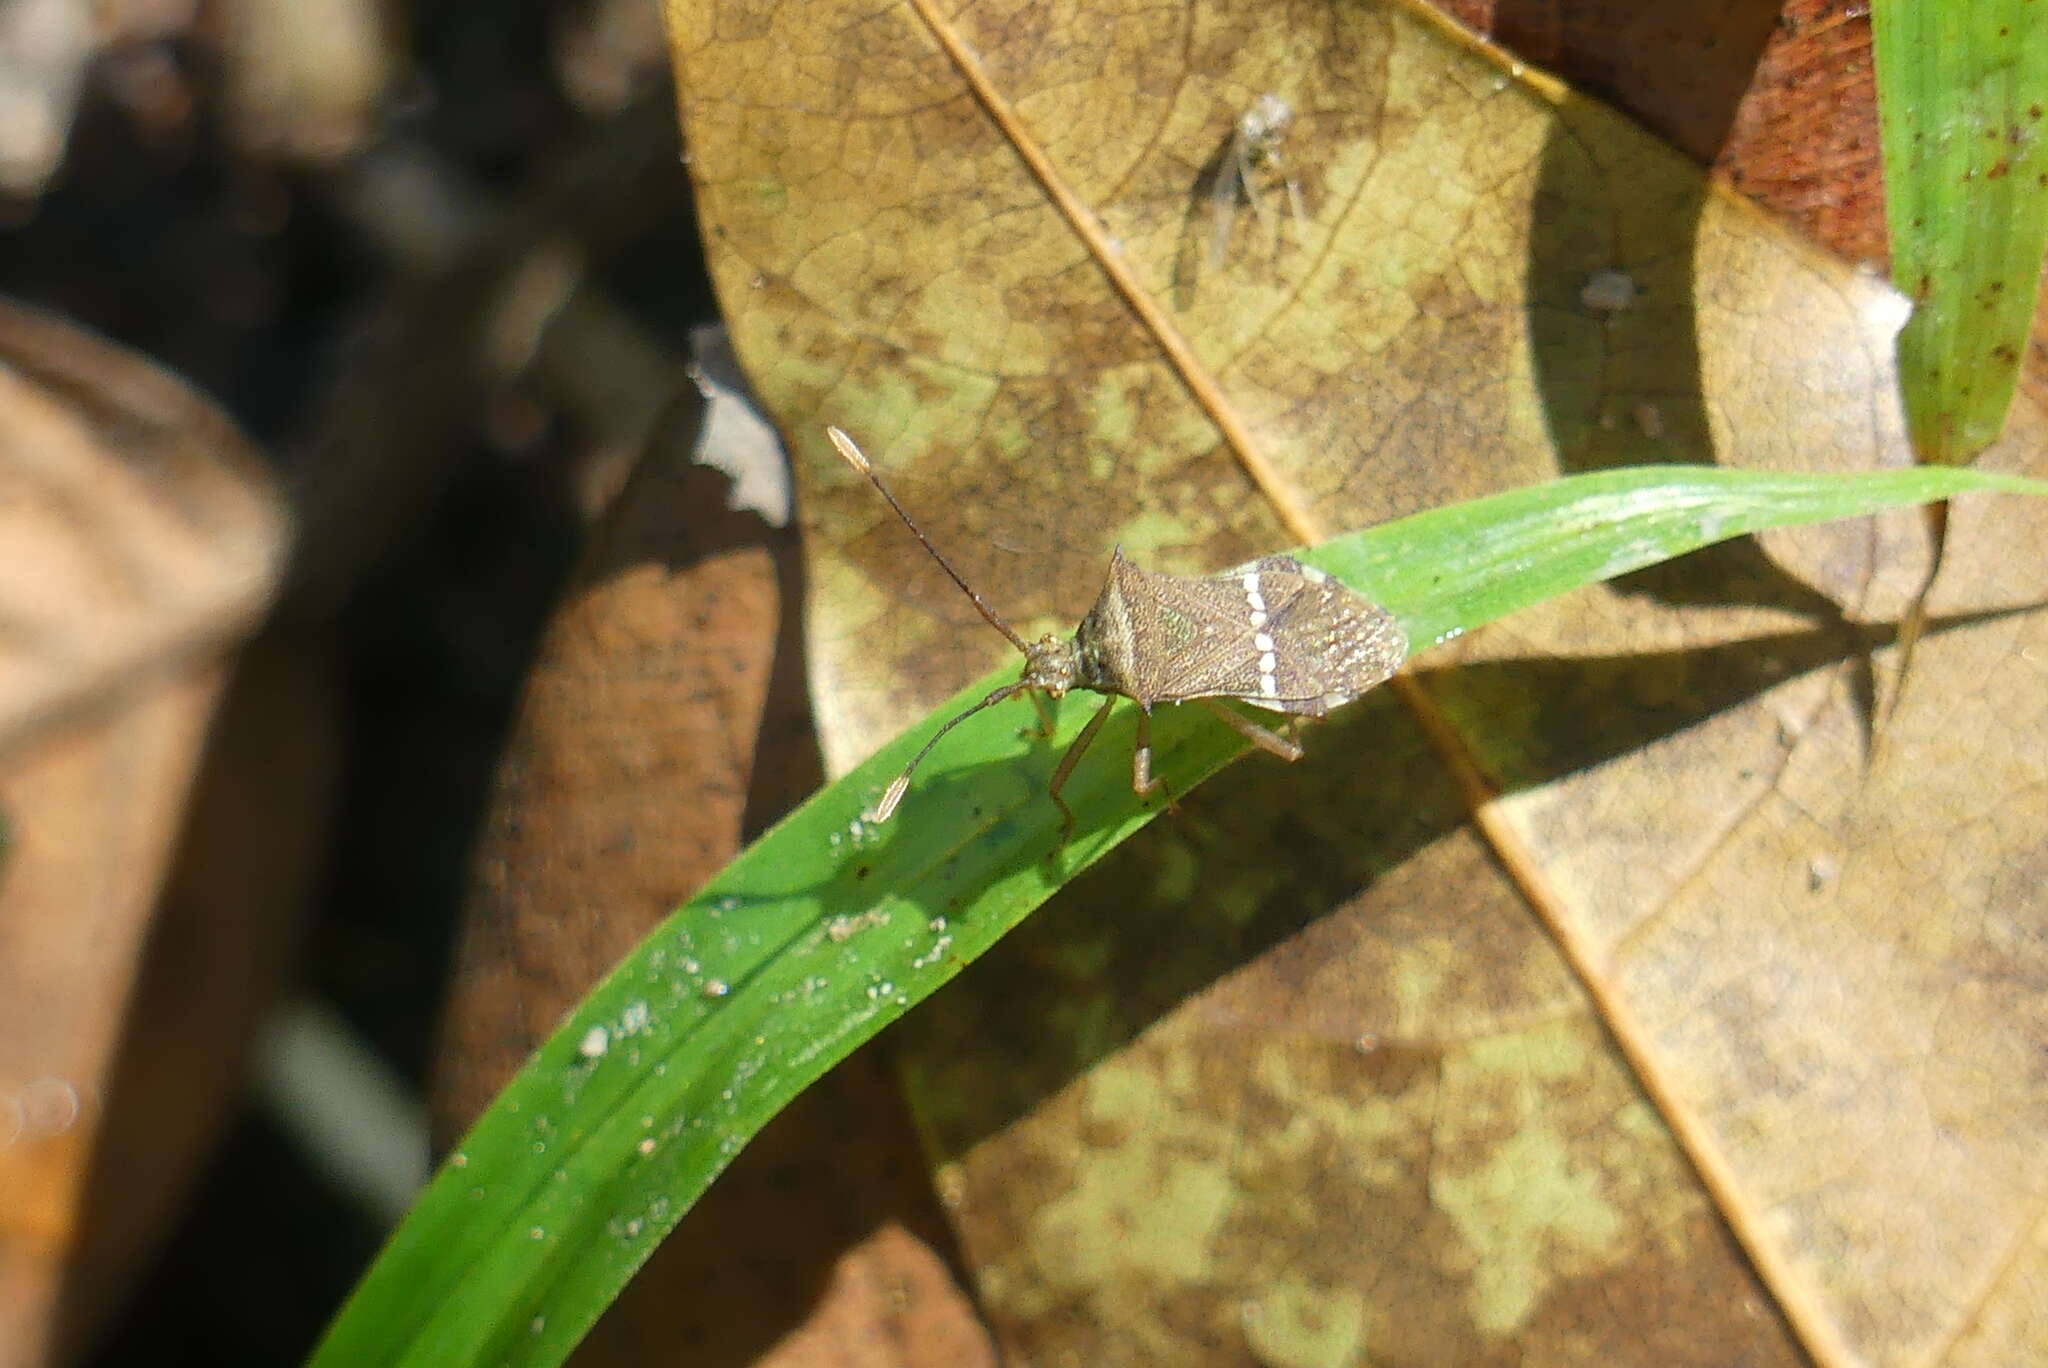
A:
1294, 209
1069, 760
1047, 723
1143, 782
1251, 731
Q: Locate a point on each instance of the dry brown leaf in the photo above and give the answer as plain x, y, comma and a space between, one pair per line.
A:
141, 541
1302, 1080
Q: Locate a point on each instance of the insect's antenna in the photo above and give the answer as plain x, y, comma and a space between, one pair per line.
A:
859, 461
893, 795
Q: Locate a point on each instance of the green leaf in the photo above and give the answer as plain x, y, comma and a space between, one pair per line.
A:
829, 927
1962, 91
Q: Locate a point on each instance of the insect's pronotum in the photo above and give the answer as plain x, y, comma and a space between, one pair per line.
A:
1273, 633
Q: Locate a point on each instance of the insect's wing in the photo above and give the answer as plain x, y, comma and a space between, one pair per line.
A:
1320, 644
1226, 188
1275, 632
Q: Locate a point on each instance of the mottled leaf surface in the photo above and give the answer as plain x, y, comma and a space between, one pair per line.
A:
1762, 1036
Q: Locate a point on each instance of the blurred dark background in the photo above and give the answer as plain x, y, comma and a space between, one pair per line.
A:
293, 207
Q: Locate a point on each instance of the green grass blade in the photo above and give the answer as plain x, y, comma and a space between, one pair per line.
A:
1962, 91
828, 928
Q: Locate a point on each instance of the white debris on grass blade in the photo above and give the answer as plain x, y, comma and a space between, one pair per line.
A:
1609, 291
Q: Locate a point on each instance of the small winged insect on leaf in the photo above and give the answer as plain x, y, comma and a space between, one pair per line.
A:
1273, 633
1254, 149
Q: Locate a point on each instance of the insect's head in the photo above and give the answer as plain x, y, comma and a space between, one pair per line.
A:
1266, 121
1051, 663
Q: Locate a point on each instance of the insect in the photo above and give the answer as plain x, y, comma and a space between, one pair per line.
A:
1274, 633
1254, 145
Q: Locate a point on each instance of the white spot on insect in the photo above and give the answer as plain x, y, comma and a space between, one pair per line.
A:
1258, 620
1313, 575
1269, 662
1262, 642
1251, 591
1269, 687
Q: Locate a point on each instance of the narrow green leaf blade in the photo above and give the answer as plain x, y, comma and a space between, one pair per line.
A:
1962, 94
829, 928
